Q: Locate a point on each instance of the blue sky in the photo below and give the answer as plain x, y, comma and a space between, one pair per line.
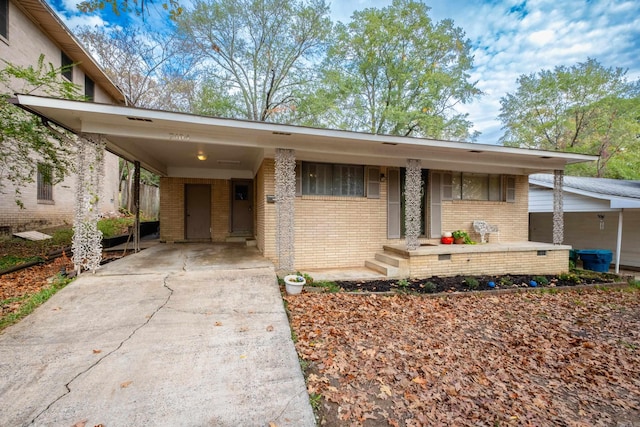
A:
509, 38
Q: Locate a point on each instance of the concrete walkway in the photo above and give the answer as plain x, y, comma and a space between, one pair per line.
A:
177, 335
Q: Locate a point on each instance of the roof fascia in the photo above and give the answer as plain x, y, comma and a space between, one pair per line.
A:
615, 202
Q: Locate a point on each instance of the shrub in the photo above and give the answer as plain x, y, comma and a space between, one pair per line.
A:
471, 282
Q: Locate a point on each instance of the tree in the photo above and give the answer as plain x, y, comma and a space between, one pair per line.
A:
585, 108
28, 143
394, 71
151, 68
130, 6
255, 53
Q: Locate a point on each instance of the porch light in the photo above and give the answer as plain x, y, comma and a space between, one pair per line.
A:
202, 156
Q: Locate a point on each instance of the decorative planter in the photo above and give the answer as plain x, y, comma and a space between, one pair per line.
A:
459, 241
294, 283
446, 240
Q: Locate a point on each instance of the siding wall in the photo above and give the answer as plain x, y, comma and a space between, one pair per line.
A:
541, 200
582, 231
23, 47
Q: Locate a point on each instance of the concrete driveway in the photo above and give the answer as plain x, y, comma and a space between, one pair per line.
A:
176, 335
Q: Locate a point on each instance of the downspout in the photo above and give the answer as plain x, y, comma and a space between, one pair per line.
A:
619, 241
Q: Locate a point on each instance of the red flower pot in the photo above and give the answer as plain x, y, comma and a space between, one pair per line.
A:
446, 240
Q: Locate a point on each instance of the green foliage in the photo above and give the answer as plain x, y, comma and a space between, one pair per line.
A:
506, 281
569, 277
130, 6
12, 260
33, 302
259, 55
111, 227
315, 399
25, 142
541, 280
471, 282
460, 234
403, 283
430, 287
585, 108
394, 71
327, 285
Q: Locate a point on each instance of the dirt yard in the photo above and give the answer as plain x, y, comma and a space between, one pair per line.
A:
569, 358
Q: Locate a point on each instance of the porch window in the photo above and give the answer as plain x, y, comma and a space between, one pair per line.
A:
324, 179
45, 183
478, 186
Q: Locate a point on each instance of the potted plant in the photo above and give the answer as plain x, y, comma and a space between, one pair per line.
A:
461, 237
447, 238
294, 283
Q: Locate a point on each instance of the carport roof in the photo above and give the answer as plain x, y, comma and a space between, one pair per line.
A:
167, 143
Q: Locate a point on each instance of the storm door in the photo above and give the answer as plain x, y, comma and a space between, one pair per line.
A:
242, 207
197, 206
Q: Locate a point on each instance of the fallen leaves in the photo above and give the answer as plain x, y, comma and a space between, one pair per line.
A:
571, 358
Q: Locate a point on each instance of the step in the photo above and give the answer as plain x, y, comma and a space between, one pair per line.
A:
236, 239
392, 259
382, 267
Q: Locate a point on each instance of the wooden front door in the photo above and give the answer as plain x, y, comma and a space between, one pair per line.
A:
197, 204
242, 207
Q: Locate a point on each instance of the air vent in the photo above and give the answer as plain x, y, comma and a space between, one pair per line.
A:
281, 133
139, 119
389, 143
475, 151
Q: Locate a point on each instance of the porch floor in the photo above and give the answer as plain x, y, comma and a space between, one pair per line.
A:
438, 249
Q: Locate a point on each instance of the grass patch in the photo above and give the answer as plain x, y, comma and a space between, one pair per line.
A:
33, 301
12, 260
327, 286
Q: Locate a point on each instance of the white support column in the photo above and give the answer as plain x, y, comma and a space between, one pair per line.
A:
619, 241
558, 214
87, 239
413, 198
285, 182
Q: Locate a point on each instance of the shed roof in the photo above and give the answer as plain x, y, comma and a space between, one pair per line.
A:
621, 193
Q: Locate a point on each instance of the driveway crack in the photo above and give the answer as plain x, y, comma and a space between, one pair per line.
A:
106, 355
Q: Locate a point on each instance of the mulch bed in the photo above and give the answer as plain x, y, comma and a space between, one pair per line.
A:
437, 284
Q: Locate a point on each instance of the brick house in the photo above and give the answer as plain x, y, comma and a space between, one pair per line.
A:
29, 28
218, 183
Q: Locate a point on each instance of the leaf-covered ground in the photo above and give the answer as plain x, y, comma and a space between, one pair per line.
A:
543, 358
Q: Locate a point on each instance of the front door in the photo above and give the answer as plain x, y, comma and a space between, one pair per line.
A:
242, 207
197, 204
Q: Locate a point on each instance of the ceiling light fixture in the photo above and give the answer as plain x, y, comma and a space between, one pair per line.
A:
202, 156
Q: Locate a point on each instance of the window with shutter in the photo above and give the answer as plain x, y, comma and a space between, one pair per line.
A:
4, 18
510, 189
67, 66
373, 182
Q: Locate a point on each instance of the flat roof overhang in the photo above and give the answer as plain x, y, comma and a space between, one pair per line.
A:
167, 143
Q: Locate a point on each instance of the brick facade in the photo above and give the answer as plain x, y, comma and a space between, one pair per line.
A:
25, 43
172, 208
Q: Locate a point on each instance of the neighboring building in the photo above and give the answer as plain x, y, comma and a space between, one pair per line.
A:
29, 28
599, 213
218, 183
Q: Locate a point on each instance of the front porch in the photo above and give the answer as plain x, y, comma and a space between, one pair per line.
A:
435, 259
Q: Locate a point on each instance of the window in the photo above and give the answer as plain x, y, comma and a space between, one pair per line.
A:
4, 18
324, 179
481, 186
45, 183
67, 66
89, 88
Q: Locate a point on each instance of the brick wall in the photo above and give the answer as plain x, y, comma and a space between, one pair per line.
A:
512, 218
172, 220
266, 212
494, 263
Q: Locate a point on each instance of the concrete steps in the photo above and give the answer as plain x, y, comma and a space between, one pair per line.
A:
390, 264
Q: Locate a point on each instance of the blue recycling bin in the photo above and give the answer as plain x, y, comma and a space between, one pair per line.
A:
596, 259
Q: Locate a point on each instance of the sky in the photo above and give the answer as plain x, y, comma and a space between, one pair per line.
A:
509, 38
